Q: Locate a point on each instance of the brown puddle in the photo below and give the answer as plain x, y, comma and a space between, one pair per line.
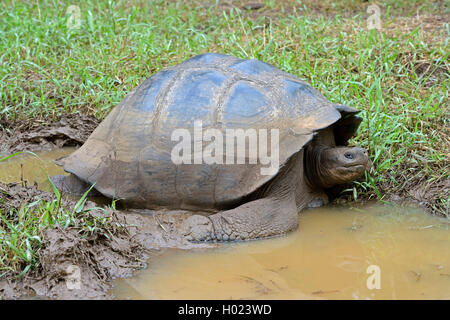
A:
30, 168
327, 257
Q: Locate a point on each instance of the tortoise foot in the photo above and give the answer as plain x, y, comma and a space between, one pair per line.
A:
198, 228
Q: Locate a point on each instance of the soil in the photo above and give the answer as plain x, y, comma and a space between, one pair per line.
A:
73, 130
75, 266
430, 72
15, 195
37, 135
144, 233
419, 190
98, 258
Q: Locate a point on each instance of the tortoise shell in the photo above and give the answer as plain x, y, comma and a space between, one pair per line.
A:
128, 156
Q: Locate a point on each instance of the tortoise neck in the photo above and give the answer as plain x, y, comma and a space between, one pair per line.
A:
316, 178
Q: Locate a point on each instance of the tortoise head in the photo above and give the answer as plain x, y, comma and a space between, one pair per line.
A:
327, 167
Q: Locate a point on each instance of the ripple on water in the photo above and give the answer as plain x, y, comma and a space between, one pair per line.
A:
327, 257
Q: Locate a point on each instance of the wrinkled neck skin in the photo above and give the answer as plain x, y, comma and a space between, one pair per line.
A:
326, 166
315, 174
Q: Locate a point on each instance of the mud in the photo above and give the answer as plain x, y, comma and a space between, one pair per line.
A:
13, 195
139, 235
412, 188
93, 260
36, 135
327, 257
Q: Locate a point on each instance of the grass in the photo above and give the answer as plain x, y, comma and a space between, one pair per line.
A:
22, 228
48, 69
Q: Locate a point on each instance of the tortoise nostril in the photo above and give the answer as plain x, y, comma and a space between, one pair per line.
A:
348, 155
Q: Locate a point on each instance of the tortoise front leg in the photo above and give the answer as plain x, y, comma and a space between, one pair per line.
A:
256, 219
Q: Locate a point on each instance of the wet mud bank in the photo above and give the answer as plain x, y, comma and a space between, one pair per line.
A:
73, 130
77, 264
37, 135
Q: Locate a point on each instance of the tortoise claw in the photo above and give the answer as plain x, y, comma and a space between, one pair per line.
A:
198, 228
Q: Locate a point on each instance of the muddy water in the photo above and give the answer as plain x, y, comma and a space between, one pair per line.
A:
29, 168
327, 257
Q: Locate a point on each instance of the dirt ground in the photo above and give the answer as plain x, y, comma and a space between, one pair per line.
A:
144, 233
73, 266
65, 253
35, 135
73, 130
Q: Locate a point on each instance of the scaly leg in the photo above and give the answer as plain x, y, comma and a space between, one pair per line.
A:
256, 219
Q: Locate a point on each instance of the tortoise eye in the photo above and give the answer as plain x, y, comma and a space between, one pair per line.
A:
348, 155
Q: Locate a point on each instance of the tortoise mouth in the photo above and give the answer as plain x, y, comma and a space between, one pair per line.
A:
351, 168
353, 164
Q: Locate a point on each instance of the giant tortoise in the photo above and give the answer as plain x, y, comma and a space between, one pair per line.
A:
130, 156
